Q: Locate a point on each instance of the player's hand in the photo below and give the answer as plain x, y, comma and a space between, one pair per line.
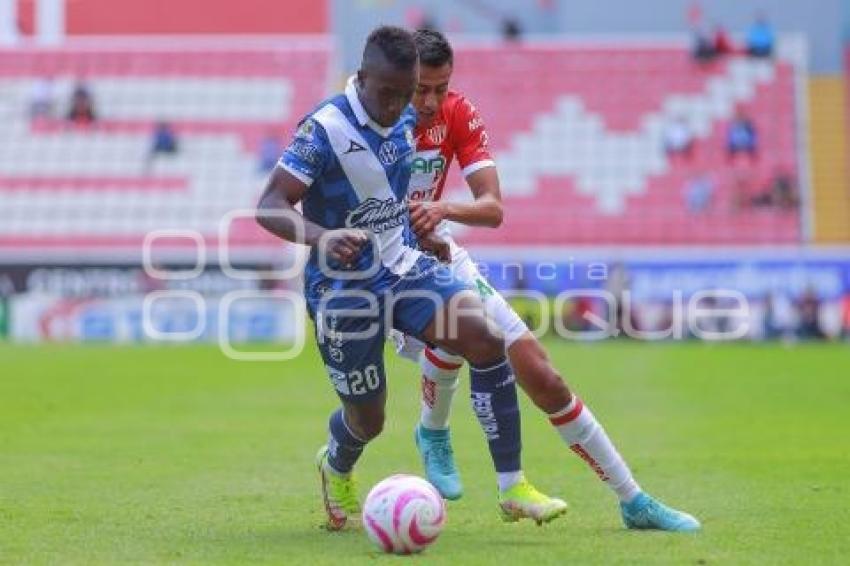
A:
424, 216
436, 246
343, 245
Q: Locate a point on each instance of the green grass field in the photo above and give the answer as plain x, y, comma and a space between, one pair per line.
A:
178, 455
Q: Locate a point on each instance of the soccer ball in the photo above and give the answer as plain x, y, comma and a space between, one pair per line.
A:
403, 514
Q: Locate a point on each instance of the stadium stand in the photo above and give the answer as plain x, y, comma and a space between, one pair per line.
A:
578, 136
81, 187
576, 130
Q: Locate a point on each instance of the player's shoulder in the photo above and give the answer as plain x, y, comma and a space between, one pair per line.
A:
458, 105
325, 115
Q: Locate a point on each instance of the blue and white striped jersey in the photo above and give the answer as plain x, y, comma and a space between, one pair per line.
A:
358, 174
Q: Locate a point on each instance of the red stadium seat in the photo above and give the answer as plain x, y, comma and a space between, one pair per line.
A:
624, 198
65, 186
575, 130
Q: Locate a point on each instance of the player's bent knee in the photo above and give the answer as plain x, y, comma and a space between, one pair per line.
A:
486, 350
487, 347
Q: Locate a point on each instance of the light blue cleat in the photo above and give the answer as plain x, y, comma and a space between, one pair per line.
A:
435, 448
644, 512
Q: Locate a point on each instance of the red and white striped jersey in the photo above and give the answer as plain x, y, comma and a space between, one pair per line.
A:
457, 130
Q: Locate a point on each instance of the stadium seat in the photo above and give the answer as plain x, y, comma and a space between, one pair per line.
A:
68, 186
580, 149
577, 132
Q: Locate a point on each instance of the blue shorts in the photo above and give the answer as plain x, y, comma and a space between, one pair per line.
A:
352, 324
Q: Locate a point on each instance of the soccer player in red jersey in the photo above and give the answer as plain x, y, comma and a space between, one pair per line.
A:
449, 127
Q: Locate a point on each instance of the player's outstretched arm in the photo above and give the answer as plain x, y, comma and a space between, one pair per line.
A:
485, 210
283, 191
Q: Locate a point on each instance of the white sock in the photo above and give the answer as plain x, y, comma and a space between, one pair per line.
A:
439, 383
586, 437
508, 479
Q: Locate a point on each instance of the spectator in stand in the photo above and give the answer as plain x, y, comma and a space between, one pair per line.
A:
163, 141
269, 152
783, 189
41, 99
679, 139
722, 42
808, 309
703, 50
699, 192
780, 193
81, 111
760, 38
742, 137
511, 30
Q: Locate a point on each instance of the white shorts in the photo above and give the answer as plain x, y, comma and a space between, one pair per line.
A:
495, 305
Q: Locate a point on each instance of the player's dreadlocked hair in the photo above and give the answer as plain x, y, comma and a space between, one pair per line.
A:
394, 44
434, 49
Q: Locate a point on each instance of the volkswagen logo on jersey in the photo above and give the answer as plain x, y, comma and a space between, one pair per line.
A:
388, 153
377, 215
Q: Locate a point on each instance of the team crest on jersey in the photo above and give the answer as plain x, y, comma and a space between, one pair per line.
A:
306, 130
388, 153
305, 151
437, 134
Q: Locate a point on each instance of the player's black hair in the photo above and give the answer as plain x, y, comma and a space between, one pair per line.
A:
394, 44
434, 48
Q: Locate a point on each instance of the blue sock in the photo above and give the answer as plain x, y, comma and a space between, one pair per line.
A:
494, 401
343, 447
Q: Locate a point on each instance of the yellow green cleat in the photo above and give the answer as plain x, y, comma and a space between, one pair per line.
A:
523, 501
339, 493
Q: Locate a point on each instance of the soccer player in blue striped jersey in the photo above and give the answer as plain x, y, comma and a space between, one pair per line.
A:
350, 166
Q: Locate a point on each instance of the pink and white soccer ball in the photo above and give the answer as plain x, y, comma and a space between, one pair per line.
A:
403, 514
